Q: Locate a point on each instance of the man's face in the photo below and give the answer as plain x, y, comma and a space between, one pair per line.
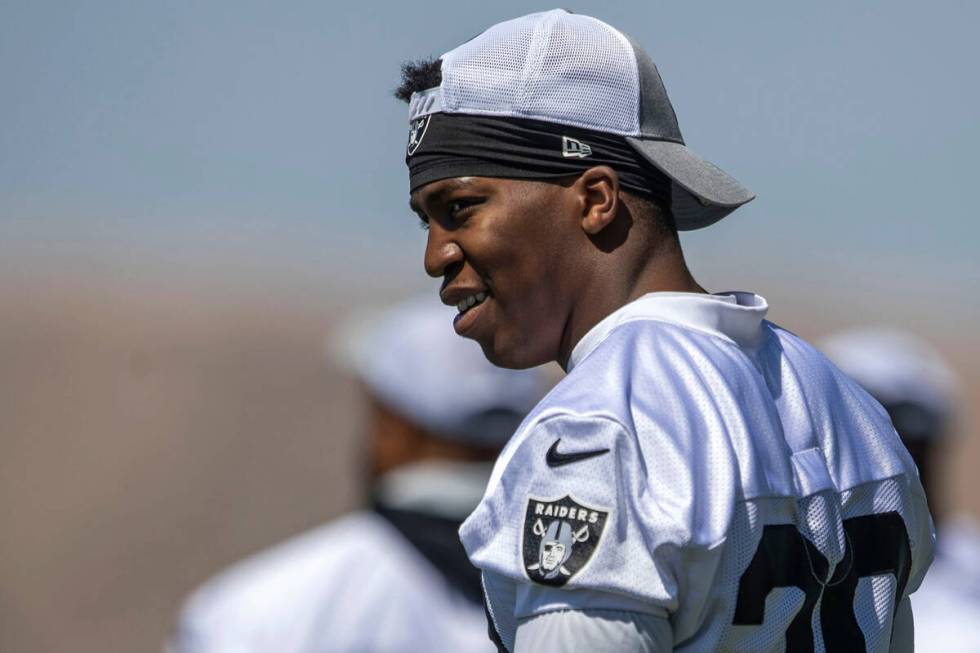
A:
510, 245
552, 555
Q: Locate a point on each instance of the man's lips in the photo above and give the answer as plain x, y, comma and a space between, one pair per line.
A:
464, 298
465, 320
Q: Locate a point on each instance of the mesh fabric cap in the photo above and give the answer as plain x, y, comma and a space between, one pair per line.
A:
553, 66
576, 70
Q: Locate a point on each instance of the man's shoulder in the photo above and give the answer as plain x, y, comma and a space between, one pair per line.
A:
291, 573
650, 386
354, 584
647, 351
797, 350
654, 369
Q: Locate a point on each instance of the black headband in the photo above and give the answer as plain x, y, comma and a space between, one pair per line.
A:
444, 146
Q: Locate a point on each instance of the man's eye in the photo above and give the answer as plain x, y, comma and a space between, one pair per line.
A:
458, 206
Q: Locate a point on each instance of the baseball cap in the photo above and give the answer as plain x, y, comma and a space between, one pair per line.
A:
575, 70
901, 371
411, 360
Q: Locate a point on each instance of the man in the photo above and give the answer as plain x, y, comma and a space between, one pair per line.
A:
392, 578
918, 390
727, 487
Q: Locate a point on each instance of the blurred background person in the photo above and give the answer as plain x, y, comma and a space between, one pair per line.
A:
394, 576
919, 391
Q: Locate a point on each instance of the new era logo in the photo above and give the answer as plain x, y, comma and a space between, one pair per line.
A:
573, 148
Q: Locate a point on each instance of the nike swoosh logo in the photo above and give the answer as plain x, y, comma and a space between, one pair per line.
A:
556, 459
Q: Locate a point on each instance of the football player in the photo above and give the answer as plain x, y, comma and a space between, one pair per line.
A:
716, 483
392, 577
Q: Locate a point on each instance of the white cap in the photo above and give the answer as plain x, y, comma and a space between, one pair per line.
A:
412, 361
897, 368
576, 70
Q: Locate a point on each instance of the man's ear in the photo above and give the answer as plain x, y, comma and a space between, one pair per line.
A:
598, 189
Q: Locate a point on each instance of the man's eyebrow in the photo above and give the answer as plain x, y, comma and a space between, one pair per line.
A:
437, 195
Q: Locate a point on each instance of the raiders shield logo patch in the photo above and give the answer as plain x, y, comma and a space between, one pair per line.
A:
560, 536
417, 132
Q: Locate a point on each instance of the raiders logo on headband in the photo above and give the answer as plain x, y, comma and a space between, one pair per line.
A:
560, 536
417, 132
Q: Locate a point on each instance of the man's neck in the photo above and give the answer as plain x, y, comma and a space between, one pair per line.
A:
666, 272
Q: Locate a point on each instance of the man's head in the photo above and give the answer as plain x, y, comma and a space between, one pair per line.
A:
546, 161
538, 256
432, 395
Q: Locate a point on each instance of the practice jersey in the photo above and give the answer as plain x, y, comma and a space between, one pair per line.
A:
355, 585
701, 464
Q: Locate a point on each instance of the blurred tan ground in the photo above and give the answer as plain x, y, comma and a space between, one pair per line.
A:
149, 436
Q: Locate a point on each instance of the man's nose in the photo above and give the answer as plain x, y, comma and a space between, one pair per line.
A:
441, 251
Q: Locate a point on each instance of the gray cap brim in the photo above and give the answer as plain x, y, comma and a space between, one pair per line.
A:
701, 193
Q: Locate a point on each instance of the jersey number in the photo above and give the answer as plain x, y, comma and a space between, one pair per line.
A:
874, 544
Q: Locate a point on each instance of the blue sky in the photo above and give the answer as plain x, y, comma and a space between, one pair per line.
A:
261, 137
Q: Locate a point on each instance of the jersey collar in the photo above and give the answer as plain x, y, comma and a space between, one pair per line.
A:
734, 316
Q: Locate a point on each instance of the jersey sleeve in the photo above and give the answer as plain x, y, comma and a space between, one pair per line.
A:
594, 631
580, 515
200, 629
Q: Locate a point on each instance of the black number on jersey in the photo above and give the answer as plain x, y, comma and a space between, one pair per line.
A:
875, 544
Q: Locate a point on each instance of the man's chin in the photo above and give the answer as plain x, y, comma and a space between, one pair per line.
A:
513, 358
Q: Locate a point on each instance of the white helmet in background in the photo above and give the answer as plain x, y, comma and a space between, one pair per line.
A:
412, 361
903, 372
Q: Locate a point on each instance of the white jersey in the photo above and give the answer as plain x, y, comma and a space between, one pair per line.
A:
705, 466
355, 585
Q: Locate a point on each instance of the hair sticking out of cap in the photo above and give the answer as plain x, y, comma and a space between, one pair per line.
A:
418, 75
